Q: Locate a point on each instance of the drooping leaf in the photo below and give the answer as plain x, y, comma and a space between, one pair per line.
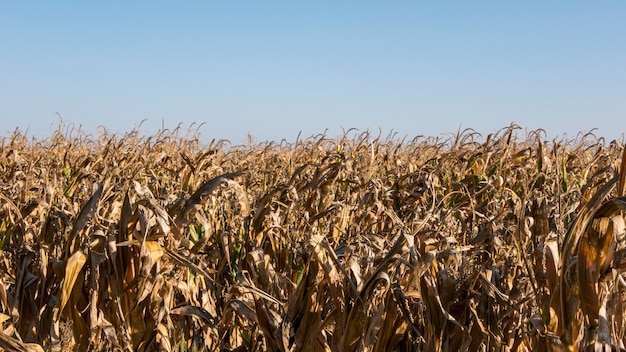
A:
73, 269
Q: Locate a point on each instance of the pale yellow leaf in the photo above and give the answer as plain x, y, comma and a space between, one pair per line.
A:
73, 268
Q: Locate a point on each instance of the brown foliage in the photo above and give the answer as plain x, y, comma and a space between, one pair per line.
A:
347, 244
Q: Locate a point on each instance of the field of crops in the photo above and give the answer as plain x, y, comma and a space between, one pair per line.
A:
355, 243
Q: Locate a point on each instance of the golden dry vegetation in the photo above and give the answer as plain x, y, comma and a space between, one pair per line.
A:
362, 243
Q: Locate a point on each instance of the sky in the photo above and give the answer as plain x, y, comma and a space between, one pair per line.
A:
276, 69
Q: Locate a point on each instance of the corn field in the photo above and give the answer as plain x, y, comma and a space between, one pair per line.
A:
505, 242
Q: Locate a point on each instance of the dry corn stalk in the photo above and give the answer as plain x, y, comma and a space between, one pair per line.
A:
359, 242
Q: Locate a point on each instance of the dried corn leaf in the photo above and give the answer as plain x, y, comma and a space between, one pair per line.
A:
85, 214
13, 344
194, 311
73, 270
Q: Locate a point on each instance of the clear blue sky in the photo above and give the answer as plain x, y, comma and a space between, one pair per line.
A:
274, 68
